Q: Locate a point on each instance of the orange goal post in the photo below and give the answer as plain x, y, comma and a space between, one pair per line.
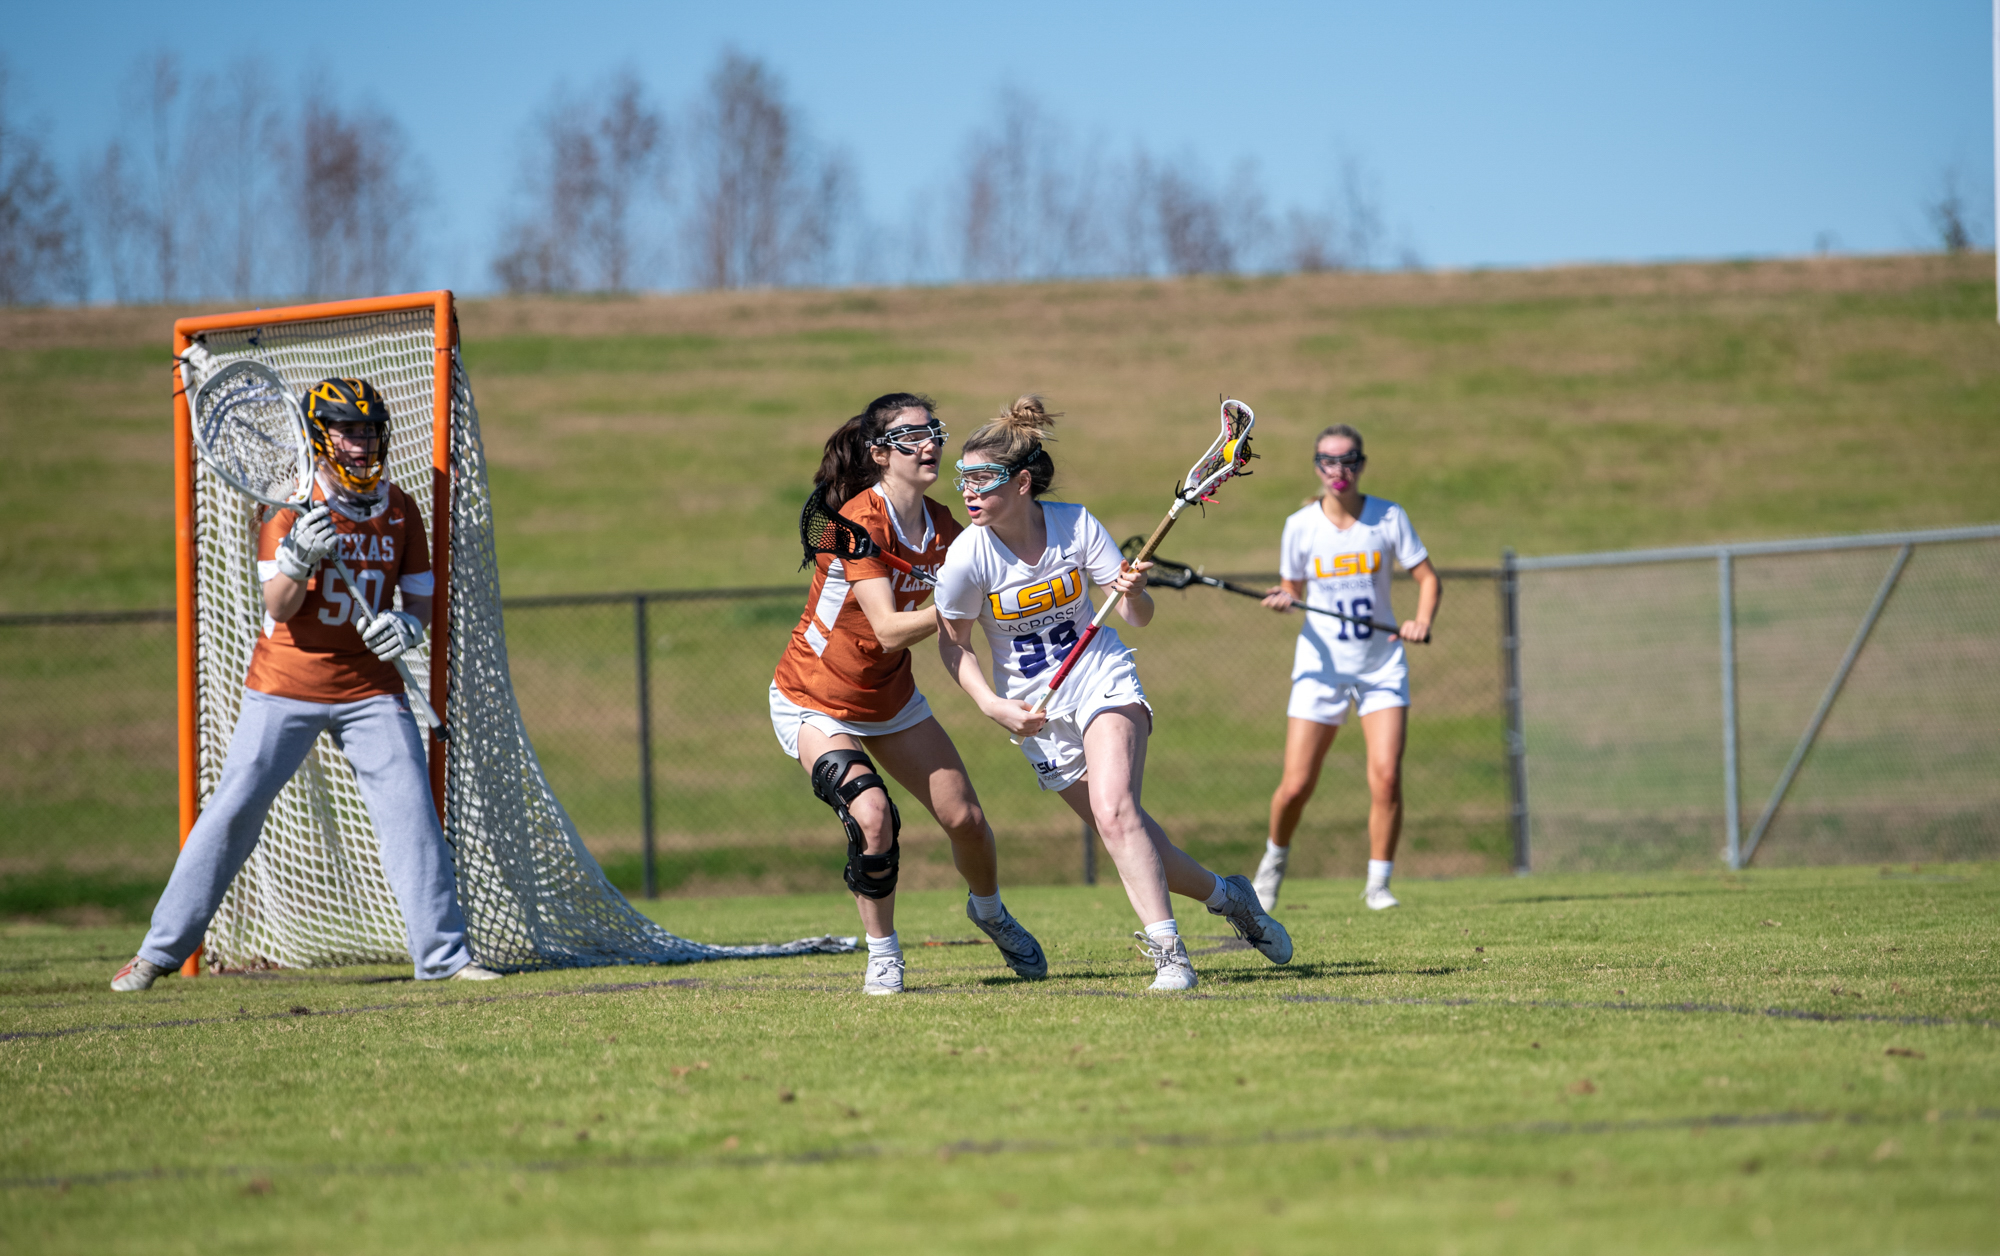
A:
313, 893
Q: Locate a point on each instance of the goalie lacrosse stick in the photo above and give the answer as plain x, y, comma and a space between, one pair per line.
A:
249, 430
824, 531
1227, 457
1172, 575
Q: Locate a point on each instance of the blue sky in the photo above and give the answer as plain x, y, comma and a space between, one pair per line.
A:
1499, 134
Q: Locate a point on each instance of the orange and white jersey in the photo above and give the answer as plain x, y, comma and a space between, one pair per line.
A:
833, 663
1347, 571
317, 655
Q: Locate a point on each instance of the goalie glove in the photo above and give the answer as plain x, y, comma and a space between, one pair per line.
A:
392, 634
311, 539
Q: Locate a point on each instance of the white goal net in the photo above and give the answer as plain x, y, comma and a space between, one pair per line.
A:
313, 893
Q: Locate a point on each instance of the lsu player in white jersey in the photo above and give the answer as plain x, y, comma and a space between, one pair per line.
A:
1335, 555
1020, 573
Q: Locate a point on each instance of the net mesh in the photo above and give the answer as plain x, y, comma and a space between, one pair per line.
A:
313, 893
1622, 700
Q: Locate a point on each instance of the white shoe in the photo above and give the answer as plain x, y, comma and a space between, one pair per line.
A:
885, 975
1379, 898
138, 974
1172, 969
1251, 923
1017, 946
1270, 875
473, 972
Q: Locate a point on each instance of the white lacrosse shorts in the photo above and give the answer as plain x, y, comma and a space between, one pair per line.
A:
786, 716
1057, 751
1323, 698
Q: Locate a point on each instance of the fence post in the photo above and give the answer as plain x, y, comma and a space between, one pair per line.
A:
640, 651
1089, 855
1731, 787
1510, 686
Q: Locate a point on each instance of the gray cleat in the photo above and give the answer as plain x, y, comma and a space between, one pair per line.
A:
474, 972
1252, 924
1017, 946
885, 975
139, 974
1172, 968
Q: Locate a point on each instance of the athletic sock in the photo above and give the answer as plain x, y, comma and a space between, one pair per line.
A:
1219, 898
879, 947
1378, 873
1272, 848
987, 906
1162, 929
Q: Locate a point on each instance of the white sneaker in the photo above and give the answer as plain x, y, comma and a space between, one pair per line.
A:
1172, 970
138, 974
885, 975
473, 972
1379, 898
1271, 875
1017, 946
1251, 923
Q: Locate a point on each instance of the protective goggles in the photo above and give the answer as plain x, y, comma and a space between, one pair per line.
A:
912, 437
982, 477
1351, 460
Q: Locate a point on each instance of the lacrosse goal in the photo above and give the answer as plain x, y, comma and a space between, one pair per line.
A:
313, 893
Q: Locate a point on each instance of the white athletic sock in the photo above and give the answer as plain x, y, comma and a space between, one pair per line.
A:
1272, 848
1219, 897
1378, 873
987, 906
1160, 929
879, 947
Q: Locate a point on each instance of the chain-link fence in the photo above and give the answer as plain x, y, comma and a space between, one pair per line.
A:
87, 719
1823, 701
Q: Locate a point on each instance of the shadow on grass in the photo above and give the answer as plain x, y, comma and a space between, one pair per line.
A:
59, 893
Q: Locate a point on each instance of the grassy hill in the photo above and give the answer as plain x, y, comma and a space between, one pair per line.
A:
665, 441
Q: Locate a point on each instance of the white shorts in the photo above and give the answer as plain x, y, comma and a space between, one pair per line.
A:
786, 716
1057, 751
1323, 697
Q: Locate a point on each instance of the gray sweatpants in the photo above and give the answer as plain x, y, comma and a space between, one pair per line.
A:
273, 736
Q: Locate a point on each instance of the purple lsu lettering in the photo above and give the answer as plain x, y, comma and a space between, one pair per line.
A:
1037, 598
358, 547
1348, 565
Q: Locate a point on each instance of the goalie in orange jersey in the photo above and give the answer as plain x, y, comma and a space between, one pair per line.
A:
845, 689
314, 671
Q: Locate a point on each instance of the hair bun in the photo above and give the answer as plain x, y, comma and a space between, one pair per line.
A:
1029, 417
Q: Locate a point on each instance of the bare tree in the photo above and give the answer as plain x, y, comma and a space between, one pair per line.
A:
1204, 228
1950, 216
236, 192
356, 201
158, 86
766, 208
40, 248
1349, 233
115, 223
590, 173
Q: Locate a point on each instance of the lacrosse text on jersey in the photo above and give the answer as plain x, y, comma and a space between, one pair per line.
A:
1346, 570
833, 663
317, 655
1035, 610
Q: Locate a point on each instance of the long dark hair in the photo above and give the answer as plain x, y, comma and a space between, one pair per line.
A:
847, 468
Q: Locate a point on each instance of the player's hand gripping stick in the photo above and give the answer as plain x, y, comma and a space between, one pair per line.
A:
249, 431
826, 531
1229, 456
1169, 574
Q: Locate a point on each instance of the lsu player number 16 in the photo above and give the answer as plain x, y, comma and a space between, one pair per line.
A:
1019, 572
1336, 555
313, 672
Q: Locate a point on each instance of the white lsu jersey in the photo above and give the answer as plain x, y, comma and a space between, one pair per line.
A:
1347, 572
1034, 611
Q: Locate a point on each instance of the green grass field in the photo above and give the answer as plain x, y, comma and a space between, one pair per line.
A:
1797, 1060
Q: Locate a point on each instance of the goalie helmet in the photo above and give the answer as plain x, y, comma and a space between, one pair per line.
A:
348, 401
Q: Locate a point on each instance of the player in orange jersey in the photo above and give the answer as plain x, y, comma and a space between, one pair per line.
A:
845, 689
326, 665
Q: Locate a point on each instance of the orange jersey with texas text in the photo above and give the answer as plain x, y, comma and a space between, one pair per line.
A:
317, 655
834, 664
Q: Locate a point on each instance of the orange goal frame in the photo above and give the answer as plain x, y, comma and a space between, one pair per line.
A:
185, 556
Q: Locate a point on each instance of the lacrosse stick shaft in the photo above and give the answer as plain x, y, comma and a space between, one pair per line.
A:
1376, 624
418, 704
1110, 604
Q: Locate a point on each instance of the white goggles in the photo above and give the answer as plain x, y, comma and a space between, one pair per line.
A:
982, 477
912, 437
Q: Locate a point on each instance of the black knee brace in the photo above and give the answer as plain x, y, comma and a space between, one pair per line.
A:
871, 876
